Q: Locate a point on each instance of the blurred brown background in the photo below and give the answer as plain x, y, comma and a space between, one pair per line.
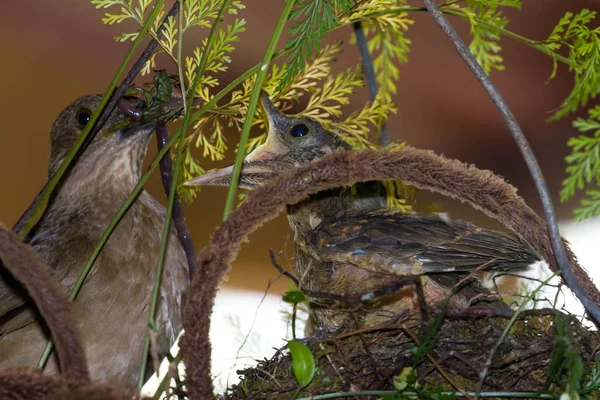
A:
54, 52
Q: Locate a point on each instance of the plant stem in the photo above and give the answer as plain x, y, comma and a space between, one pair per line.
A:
260, 77
45, 196
162, 386
180, 135
63, 167
457, 13
505, 332
406, 394
561, 258
166, 170
367, 62
112, 103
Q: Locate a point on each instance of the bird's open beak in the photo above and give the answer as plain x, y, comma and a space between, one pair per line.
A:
257, 167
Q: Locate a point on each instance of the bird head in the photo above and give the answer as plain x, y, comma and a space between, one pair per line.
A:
114, 156
291, 142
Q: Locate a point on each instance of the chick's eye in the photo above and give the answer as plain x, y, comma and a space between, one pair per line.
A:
83, 117
299, 130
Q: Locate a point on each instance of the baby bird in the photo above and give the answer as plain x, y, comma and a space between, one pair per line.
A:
111, 310
343, 249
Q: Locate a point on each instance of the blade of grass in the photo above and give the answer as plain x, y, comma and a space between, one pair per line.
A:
71, 155
560, 254
81, 139
173, 190
509, 325
138, 188
260, 77
117, 94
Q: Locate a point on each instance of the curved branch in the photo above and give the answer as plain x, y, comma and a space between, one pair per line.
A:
108, 109
423, 169
166, 174
560, 253
51, 301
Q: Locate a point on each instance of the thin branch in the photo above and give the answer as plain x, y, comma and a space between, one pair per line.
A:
459, 14
256, 88
437, 366
25, 222
54, 181
367, 62
534, 168
180, 135
166, 170
488, 362
282, 270
50, 300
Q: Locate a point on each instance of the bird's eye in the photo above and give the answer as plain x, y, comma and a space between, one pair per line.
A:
83, 117
299, 130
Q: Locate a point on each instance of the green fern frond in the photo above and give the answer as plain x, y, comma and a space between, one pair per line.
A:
217, 58
169, 39
487, 21
130, 9
191, 168
590, 206
327, 101
316, 19
387, 41
583, 165
196, 13
584, 160
355, 129
574, 32
203, 12
314, 71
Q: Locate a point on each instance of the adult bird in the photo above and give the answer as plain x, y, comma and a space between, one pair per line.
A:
343, 249
111, 310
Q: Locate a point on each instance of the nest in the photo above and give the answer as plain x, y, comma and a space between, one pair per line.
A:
368, 359
365, 359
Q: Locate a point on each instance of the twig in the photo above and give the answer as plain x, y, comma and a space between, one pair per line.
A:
437, 366
281, 270
468, 277
180, 135
55, 180
154, 351
249, 332
534, 168
50, 300
397, 284
166, 170
256, 88
509, 325
367, 329
110, 105
367, 62
523, 395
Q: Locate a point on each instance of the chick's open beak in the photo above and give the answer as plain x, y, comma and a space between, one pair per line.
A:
258, 166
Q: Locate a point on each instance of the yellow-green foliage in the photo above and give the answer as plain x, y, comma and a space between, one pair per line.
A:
385, 22
387, 42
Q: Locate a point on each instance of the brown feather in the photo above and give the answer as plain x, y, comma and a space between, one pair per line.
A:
111, 310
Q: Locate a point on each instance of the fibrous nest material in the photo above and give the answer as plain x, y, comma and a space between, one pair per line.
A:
423, 169
368, 359
481, 189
